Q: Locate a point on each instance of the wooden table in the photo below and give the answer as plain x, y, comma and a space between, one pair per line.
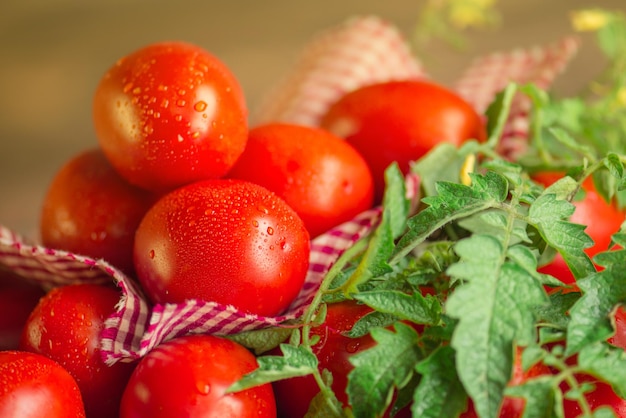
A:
52, 54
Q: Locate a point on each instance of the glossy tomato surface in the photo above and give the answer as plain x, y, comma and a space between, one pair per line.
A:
333, 351
228, 241
188, 377
401, 121
33, 386
18, 298
602, 219
322, 177
65, 326
169, 114
602, 395
89, 209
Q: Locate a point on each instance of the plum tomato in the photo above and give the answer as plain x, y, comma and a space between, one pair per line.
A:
90, 210
333, 351
169, 114
602, 219
18, 297
65, 326
322, 177
225, 240
33, 386
188, 377
401, 121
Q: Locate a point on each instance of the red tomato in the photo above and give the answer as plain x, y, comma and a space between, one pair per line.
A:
228, 241
401, 121
333, 351
323, 178
33, 386
188, 377
65, 326
90, 210
18, 298
602, 219
169, 114
514, 407
602, 395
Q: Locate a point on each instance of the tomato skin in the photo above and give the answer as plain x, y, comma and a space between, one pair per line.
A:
32, 386
187, 377
333, 351
228, 241
323, 178
90, 210
65, 326
169, 114
401, 121
603, 219
18, 298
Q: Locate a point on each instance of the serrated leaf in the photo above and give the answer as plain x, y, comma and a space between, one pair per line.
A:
295, 361
606, 362
494, 308
614, 164
548, 214
323, 406
440, 393
367, 322
454, 201
538, 394
562, 136
378, 370
260, 341
494, 223
442, 163
601, 292
394, 199
415, 308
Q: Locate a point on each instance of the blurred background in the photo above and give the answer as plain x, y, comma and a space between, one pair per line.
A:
53, 53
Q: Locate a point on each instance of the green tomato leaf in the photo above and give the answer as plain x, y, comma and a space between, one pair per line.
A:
606, 362
415, 308
295, 361
377, 371
498, 113
454, 201
538, 394
262, 340
549, 216
601, 292
495, 307
440, 393
442, 163
395, 201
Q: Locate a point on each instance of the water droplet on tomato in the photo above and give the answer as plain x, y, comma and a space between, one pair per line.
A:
200, 106
178, 118
255, 223
352, 346
203, 388
181, 92
195, 135
165, 103
263, 209
151, 254
180, 138
137, 90
181, 103
161, 87
270, 230
127, 87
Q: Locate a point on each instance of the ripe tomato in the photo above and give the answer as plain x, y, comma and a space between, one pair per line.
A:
65, 326
323, 178
188, 377
602, 219
401, 121
619, 338
18, 298
90, 210
228, 241
33, 386
514, 407
169, 114
333, 351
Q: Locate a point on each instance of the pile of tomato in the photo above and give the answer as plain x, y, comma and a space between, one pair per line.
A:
186, 198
